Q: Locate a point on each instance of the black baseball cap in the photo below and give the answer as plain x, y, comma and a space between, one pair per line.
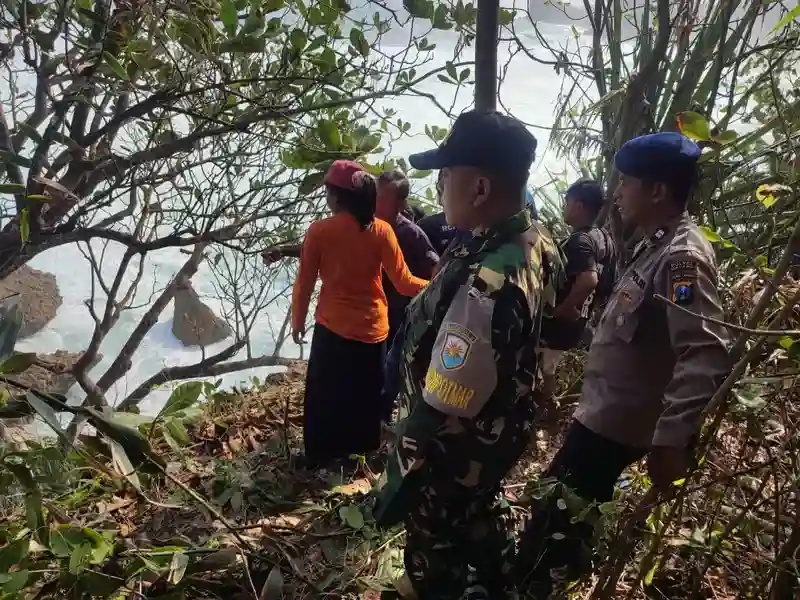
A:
489, 140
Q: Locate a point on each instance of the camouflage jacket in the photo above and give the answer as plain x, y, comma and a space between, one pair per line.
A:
469, 365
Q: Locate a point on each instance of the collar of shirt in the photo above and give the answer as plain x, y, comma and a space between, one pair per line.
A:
400, 220
661, 235
495, 236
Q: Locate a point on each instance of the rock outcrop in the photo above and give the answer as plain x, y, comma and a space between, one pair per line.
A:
39, 297
53, 372
194, 323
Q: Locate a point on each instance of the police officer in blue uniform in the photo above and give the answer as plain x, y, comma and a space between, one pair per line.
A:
651, 368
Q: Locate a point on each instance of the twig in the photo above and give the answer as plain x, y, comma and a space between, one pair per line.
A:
207, 505
767, 332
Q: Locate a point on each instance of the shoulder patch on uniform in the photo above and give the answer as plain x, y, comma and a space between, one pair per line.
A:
683, 268
683, 292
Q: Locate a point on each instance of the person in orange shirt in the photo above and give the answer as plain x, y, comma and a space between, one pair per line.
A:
348, 252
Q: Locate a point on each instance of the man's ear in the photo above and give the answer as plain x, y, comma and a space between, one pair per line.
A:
660, 192
483, 189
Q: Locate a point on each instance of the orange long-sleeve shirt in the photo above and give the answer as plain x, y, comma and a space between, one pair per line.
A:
349, 261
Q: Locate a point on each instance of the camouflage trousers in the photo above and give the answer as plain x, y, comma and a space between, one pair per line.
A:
458, 545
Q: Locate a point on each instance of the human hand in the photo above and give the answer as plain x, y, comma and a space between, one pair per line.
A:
298, 335
667, 464
271, 256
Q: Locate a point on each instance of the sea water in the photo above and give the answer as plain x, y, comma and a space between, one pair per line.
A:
529, 90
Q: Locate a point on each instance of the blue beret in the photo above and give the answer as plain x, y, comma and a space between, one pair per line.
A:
662, 157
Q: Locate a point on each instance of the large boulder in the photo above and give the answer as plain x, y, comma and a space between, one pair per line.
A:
53, 372
39, 297
194, 323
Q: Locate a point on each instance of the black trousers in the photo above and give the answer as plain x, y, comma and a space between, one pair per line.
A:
590, 465
342, 407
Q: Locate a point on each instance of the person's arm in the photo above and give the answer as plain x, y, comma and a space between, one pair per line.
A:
395, 266
700, 347
275, 253
425, 256
581, 261
291, 251
476, 345
306, 278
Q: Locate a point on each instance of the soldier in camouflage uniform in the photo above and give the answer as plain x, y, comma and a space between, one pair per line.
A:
468, 368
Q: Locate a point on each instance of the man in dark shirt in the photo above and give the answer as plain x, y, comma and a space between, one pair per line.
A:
439, 231
418, 252
591, 263
414, 213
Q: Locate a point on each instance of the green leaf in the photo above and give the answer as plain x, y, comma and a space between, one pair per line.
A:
790, 16
352, 516
273, 586
24, 226
177, 567
359, 42
13, 554
750, 397
12, 188
79, 558
17, 363
137, 449
451, 70
16, 582
177, 432
694, 126
123, 464
253, 24
419, 8
507, 16
45, 411
711, 235
725, 137
59, 545
329, 134
38, 198
464, 75
769, 193
311, 182
648, 579
34, 514
183, 396
298, 39
15, 159
229, 16
440, 18
115, 66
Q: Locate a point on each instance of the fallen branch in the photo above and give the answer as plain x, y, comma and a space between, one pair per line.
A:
210, 367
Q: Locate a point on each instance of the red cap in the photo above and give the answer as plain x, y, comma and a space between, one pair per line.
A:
345, 174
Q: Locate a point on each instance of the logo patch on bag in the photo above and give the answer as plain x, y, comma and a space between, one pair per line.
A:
455, 350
